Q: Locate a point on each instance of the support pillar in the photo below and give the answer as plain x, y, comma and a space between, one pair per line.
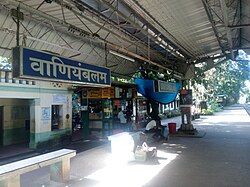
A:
186, 126
34, 115
185, 107
60, 171
11, 182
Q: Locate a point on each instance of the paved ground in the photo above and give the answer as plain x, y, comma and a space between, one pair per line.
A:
247, 108
220, 159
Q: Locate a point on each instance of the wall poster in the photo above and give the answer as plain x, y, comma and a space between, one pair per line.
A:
45, 113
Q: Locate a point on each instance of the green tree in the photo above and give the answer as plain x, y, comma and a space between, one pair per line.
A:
227, 78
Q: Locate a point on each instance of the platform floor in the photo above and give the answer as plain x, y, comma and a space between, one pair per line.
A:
221, 158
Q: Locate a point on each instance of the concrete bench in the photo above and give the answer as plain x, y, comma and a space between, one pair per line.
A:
59, 162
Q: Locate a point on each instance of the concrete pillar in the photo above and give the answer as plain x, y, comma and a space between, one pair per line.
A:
2, 76
11, 182
34, 124
8, 77
186, 111
60, 171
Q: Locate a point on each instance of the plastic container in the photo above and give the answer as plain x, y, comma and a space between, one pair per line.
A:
172, 128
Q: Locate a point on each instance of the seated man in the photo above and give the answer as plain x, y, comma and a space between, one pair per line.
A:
150, 125
156, 128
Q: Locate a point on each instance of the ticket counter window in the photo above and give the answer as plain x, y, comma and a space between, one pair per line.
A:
56, 120
95, 109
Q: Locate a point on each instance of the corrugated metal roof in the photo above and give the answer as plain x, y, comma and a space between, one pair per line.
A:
245, 31
172, 35
186, 20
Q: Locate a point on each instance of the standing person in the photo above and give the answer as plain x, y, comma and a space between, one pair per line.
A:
128, 117
128, 114
122, 118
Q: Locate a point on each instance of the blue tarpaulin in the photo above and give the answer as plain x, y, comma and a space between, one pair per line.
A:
146, 87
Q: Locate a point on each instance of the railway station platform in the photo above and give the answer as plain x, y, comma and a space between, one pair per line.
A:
220, 158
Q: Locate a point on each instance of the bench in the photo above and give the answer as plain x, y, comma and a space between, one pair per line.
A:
59, 162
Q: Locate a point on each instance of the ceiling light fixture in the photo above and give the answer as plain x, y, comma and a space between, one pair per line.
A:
122, 56
53, 44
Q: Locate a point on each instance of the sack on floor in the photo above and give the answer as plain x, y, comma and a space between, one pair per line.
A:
144, 152
152, 152
141, 153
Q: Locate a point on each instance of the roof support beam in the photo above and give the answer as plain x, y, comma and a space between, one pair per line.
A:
157, 25
211, 64
126, 52
238, 26
226, 23
63, 26
111, 27
210, 17
144, 30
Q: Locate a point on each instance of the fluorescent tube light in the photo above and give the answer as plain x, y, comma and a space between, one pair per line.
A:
122, 56
49, 43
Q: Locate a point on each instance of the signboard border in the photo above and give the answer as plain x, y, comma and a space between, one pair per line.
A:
18, 66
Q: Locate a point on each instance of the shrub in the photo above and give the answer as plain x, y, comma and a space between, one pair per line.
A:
207, 111
214, 107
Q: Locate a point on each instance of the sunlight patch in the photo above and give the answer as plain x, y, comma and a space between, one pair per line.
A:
131, 174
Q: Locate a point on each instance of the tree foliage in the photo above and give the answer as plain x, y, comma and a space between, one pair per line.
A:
5, 64
227, 78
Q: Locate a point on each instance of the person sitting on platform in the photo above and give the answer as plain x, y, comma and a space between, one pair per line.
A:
156, 128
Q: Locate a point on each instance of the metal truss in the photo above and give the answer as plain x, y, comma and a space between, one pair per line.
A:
141, 27
117, 28
224, 16
92, 34
162, 31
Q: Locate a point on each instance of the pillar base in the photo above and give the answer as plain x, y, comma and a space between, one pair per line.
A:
187, 129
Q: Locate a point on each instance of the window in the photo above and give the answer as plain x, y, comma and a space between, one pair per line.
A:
56, 120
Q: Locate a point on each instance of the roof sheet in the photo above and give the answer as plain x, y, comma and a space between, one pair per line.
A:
164, 33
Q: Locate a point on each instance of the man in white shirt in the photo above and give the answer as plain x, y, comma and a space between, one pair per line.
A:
151, 125
121, 117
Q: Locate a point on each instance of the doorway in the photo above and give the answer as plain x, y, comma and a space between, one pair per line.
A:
56, 120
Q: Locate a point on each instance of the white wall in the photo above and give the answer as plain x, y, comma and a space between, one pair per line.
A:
41, 95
